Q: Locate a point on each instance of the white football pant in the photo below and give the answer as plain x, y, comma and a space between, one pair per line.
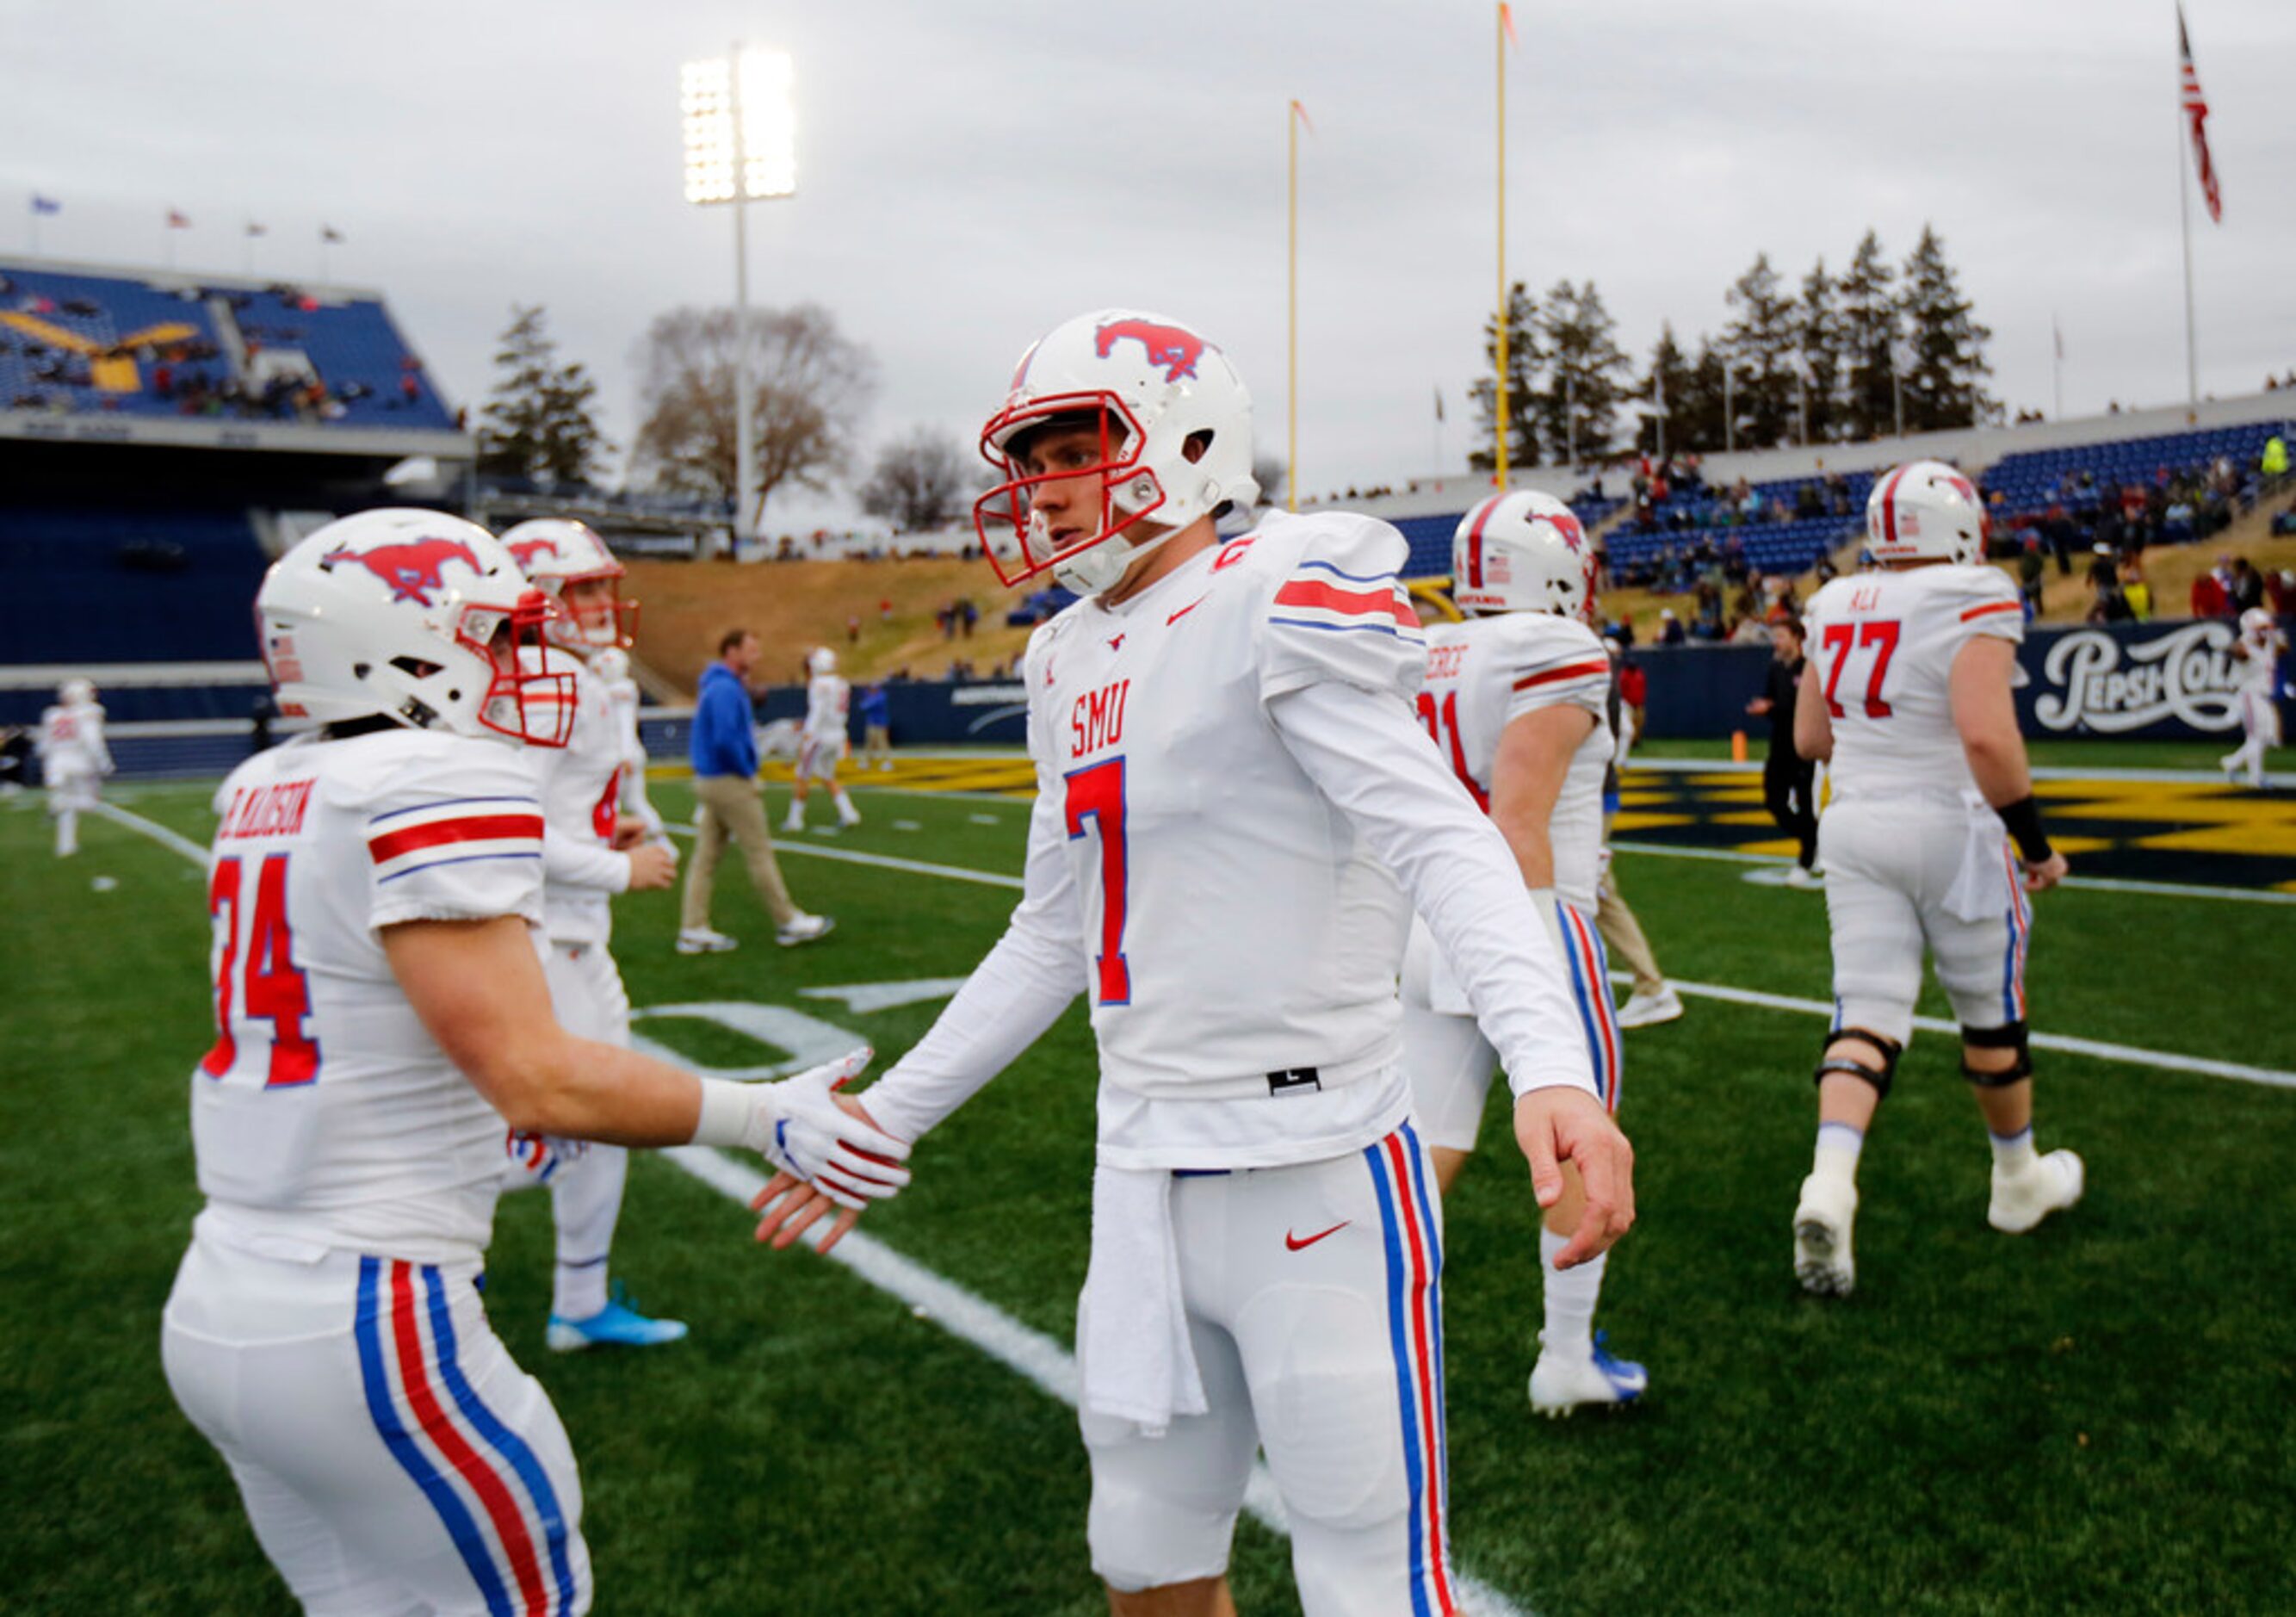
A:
585, 1192
392, 1457
2260, 723
1315, 1306
1906, 874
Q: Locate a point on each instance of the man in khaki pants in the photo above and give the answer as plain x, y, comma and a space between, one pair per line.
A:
725, 781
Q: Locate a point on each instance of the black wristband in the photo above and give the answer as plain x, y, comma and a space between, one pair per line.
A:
2023, 818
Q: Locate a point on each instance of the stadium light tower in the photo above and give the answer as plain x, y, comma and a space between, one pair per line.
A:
741, 146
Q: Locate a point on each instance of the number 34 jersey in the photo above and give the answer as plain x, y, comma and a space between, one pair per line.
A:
326, 1115
1236, 929
1883, 646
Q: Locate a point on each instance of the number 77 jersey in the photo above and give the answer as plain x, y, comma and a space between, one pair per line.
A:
1883, 646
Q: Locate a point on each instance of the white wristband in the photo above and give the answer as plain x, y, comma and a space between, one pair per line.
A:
727, 1113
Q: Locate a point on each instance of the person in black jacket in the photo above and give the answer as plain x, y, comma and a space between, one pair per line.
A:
1788, 777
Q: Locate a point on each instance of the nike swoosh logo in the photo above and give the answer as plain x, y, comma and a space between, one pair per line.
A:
1184, 611
1293, 1243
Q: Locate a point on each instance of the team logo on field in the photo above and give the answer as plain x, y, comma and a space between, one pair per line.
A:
1176, 350
412, 569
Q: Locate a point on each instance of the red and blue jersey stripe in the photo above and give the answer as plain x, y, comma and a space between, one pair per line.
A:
1414, 1317
490, 1492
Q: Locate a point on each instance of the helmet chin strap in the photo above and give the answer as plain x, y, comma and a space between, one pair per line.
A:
1101, 566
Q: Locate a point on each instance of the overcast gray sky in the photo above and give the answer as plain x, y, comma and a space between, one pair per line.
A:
970, 174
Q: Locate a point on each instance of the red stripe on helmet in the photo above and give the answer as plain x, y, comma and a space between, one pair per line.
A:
1475, 540
1890, 506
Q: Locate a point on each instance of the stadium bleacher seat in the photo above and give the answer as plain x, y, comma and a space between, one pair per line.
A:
122, 585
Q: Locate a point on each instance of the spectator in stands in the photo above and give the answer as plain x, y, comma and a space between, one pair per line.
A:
2030, 571
1669, 628
2247, 587
1788, 779
724, 751
2274, 461
2134, 592
2106, 602
852, 628
2210, 598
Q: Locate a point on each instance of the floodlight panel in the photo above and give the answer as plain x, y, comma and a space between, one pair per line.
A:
705, 98
768, 113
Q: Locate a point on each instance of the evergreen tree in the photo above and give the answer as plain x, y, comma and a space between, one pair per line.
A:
539, 422
1761, 344
1869, 327
1523, 360
1820, 333
1699, 415
1670, 390
1578, 408
1945, 383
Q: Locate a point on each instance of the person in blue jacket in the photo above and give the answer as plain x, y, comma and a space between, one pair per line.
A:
724, 750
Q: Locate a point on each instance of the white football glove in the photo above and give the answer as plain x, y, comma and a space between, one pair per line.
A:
801, 1129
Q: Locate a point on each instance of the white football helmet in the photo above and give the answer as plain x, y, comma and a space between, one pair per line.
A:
75, 693
419, 618
611, 665
1523, 552
553, 553
821, 662
1925, 511
1149, 386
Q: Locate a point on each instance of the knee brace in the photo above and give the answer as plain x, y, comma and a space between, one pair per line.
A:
1888, 1049
2009, 1036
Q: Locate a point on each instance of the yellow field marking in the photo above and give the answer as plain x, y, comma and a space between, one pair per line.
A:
1742, 818
1650, 822
2263, 842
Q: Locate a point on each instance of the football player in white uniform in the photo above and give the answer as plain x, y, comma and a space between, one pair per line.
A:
611, 665
1515, 700
824, 741
381, 1012
589, 853
1231, 783
2256, 658
1907, 695
73, 759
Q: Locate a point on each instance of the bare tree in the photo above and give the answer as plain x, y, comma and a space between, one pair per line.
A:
812, 384
920, 482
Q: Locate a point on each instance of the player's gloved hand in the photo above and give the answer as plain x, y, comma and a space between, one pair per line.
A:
808, 1134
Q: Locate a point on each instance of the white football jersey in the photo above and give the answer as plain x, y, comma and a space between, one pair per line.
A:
71, 741
824, 708
1883, 644
326, 1114
581, 790
1239, 929
2260, 635
1486, 673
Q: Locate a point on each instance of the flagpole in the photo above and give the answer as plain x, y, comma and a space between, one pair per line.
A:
2057, 368
1500, 393
1292, 310
2185, 223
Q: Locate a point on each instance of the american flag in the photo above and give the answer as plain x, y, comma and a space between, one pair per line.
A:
2196, 113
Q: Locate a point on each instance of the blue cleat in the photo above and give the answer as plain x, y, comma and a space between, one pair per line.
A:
617, 1324
1561, 1383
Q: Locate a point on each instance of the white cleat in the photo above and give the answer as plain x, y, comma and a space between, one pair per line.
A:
790, 827
803, 928
702, 941
1821, 1226
849, 816
1648, 1010
2049, 1183
1563, 1380
1797, 877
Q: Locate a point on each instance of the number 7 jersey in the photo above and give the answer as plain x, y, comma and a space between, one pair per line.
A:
1883, 646
325, 1114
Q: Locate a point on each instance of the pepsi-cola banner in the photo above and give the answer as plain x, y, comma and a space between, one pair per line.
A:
2169, 681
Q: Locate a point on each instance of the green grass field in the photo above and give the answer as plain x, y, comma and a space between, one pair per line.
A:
2092, 1418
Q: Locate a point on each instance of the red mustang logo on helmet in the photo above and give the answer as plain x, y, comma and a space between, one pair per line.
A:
526, 550
1573, 535
1175, 350
412, 569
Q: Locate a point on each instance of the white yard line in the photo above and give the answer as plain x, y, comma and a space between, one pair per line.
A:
2161, 890
962, 1314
